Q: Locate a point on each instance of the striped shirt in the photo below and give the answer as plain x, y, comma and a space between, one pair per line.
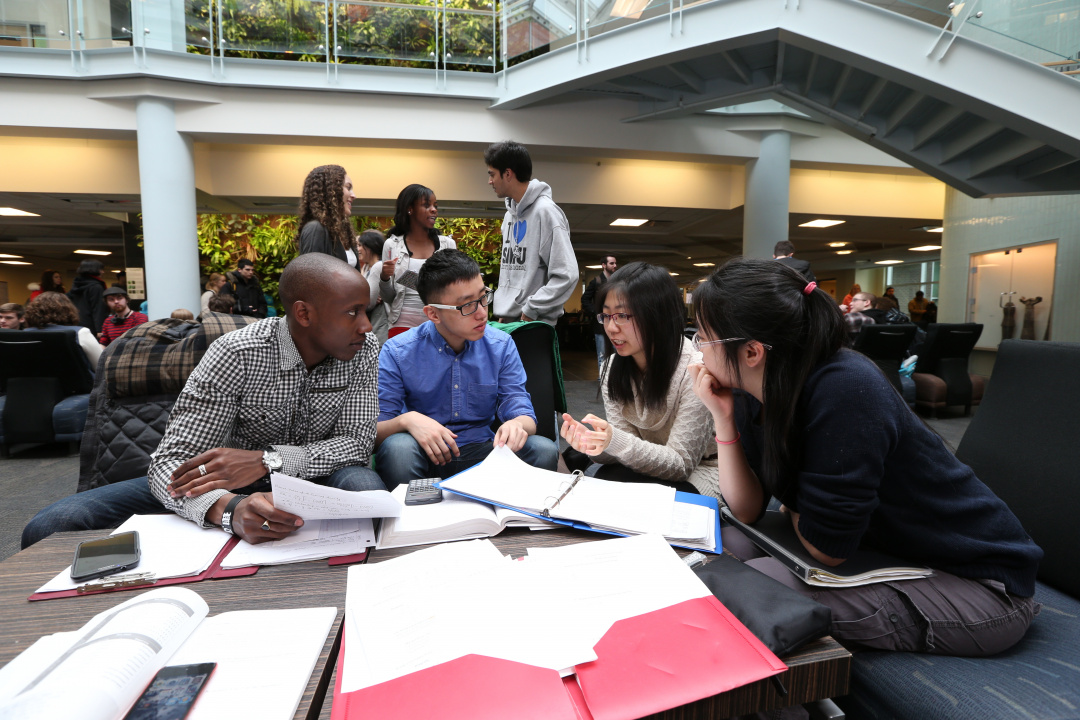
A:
252, 391
113, 327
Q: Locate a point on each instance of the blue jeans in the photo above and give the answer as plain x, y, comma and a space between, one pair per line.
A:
400, 458
601, 347
107, 506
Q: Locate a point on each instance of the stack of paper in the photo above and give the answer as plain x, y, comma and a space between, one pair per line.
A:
160, 537
316, 540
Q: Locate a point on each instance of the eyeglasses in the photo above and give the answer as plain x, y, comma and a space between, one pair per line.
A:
470, 307
698, 343
619, 318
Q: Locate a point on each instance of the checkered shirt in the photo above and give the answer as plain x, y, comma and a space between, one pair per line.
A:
251, 391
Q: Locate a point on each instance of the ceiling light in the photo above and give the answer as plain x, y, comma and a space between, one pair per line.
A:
628, 222
822, 223
925, 248
888, 262
593, 267
93, 252
844, 252
674, 274
704, 264
935, 229
15, 262
5, 255
12, 212
837, 244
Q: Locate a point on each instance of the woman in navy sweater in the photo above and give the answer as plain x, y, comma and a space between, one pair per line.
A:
820, 428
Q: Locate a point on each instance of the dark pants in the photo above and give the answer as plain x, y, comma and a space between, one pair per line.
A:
941, 615
107, 506
400, 458
619, 473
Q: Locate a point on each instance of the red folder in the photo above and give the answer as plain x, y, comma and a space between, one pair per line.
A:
645, 664
213, 572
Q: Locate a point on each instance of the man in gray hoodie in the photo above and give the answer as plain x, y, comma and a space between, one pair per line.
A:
538, 270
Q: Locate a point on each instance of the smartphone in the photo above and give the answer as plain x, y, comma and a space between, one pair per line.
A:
172, 693
423, 491
107, 556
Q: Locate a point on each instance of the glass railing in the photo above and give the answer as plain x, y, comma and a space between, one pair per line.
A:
476, 35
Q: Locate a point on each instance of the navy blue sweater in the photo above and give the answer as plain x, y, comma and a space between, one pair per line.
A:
872, 474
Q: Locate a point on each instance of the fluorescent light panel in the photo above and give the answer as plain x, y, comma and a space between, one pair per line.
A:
628, 222
822, 223
593, 267
844, 252
888, 262
13, 212
704, 264
837, 244
93, 252
13, 257
15, 262
673, 274
925, 248
935, 229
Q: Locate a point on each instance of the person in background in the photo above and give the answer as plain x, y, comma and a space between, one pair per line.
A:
917, 307
442, 384
123, 318
87, 295
413, 239
182, 314
222, 303
11, 316
656, 430
890, 295
784, 396
538, 269
55, 312
120, 281
845, 306
784, 253
370, 245
930, 316
588, 304
889, 311
51, 281
245, 287
213, 287
325, 215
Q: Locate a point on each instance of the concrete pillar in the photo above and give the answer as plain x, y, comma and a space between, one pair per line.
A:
768, 187
167, 187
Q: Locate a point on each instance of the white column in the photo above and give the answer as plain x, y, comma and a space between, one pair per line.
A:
768, 189
167, 187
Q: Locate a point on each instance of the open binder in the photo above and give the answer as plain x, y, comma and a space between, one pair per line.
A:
564, 488
775, 535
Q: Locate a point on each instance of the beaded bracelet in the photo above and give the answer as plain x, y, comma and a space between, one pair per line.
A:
729, 442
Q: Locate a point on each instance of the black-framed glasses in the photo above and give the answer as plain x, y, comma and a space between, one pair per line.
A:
470, 307
619, 318
698, 343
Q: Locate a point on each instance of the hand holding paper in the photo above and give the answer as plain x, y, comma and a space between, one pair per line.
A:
318, 502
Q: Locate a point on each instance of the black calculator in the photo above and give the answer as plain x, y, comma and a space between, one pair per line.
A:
423, 491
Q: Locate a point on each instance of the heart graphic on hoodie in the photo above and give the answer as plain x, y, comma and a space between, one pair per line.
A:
519, 231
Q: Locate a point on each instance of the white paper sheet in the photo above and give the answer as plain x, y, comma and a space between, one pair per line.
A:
316, 540
318, 502
171, 546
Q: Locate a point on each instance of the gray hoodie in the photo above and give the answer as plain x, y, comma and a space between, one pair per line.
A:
538, 270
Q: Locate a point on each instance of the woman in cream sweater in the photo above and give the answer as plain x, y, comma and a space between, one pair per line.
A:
657, 430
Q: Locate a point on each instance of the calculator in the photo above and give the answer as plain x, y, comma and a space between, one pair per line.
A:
423, 491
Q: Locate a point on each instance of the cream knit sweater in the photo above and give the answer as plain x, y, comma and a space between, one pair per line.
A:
675, 443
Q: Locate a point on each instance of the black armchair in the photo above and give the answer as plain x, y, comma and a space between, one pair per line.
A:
941, 374
886, 345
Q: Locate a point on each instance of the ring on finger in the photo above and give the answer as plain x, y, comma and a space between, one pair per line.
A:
202, 470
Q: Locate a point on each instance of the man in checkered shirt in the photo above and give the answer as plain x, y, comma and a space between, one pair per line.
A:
296, 394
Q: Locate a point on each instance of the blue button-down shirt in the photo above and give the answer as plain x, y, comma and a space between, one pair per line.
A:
420, 372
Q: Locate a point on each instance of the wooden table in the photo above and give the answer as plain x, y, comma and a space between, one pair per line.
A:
309, 584
818, 670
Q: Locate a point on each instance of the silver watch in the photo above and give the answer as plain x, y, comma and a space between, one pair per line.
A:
272, 460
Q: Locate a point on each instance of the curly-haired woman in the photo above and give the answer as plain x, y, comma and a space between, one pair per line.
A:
55, 312
325, 209
51, 281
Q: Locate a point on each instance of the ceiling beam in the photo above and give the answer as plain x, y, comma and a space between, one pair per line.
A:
975, 135
936, 125
1009, 151
736, 64
903, 111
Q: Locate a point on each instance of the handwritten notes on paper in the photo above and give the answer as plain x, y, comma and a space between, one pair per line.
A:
318, 502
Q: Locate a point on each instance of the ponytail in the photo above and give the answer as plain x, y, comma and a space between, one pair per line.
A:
769, 302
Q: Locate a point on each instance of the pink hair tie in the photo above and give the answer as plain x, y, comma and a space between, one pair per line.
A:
809, 288
729, 442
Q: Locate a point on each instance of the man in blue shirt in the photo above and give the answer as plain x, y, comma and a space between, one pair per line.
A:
442, 384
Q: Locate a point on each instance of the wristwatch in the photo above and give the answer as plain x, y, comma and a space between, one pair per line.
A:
227, 515
272, 460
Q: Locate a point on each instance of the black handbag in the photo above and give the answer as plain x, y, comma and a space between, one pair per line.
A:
777, 615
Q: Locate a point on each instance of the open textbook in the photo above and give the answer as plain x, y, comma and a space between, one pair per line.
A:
775, 534
620, 508
99, 671
455, 518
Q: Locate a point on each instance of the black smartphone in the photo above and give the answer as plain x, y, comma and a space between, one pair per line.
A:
107, 556
423, 491
172, 693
